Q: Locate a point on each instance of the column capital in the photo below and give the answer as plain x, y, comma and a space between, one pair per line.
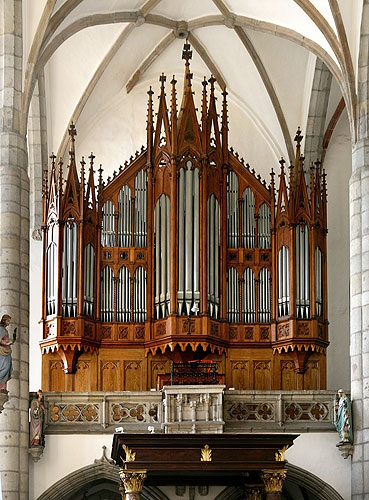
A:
253, 492
273, 479
132, 480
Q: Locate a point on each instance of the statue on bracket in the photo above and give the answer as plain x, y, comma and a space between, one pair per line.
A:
6, 367
36, 426
344, 419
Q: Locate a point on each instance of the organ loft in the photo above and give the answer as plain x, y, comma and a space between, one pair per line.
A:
184, 255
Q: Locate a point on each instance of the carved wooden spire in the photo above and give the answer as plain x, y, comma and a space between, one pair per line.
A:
149, 128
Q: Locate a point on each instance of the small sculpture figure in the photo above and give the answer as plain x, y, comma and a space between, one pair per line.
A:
344, 418
6, 367
36, 431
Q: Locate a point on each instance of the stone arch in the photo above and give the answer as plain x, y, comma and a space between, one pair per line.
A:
100, 472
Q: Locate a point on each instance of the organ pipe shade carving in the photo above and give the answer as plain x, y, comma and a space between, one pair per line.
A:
162, 256
140, 226
189, 239
108, 225
264, 227
107, 295
318, 282
248, 296
248, 219
233, 296
232, 210
283, 282
69, 270
302, 272
123, 295
139, 295
89, 280
213, 234
52, 278
124, 232
264, 296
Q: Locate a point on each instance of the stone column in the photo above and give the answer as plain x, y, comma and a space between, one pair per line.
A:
359, 276
273, 482
132, 483
14, 253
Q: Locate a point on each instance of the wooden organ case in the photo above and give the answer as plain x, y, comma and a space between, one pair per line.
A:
184, 254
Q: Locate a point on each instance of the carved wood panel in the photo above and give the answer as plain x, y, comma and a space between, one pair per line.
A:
82, 377
312, 375
288, 376
56, 376
262, 375
110, 375
133, 375
240, 374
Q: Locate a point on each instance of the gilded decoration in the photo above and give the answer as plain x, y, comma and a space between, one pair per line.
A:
279, 456
273, 480
132, 480
130, 456
206, 454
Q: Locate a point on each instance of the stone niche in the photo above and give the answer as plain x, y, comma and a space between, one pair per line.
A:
193, 409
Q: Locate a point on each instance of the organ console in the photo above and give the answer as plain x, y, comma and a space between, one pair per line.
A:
184, 254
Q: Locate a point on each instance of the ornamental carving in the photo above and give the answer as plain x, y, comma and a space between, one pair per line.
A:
161, 329
283, 331
254, 494
214, 329
120, 413
106, 332
303, 329
77, 413
140, 332
232, 332
206, 454
273, 480
69, 328
123, 332
264, 333
88, 331
249, 332
320, 331
132, 481
50, 330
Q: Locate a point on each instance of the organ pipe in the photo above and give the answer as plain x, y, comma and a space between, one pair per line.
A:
124, 232
302, 272
139, 295
264, 227
248, 219
140, 224
283, 282
162, 256
123, 296
264, 296
232, 210
69, 270
248, 296
189, 238
318, 282
108, 225
233, 296
51, 278
107, 295
213, 225
89, 290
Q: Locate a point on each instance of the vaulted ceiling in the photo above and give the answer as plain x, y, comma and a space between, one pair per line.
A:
96, 60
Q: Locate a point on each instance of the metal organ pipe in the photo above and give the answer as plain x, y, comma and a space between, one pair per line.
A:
232, 210
162, 256
107, 295
140, 224
302, 272
318, 282
139, 294
189, 236
233, 296
69, 270
264, 295
213, 228
124, 218
51, 279
108, 225
123, 296
264, 239
283, 282
89, 266
248, 219
248, 296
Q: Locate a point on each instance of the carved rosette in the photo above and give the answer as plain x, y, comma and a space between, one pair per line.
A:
132, 481
273, 480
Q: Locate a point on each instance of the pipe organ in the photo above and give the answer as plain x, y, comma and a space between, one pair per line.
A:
184, 254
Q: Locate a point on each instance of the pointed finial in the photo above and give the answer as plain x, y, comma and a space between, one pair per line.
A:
173, 104
72, 133
187, 53
272, 175
212, 80
298, 136
91, 158
60, 165
282, 163
83, 163
162, 79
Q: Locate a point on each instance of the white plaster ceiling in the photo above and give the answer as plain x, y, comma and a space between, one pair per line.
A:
77, 43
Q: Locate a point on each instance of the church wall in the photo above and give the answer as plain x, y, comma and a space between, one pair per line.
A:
315, 452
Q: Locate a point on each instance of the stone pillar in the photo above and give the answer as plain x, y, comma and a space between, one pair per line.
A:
359, 275
14, 253
273, 482
132, 482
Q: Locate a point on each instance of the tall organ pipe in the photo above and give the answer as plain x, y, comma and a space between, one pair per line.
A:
232, 210
283, 282
51, 279
107, 295
264, 295
213, 228
162, 256
123, 296
140, 224
89, 267
318, 283
124, 217
108, 225
139, 293
69, 270
302, 272
248, 296
264, 239
233, 296
248, 219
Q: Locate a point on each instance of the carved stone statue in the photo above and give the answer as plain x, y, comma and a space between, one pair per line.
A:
37, 412
344, 418
6, 367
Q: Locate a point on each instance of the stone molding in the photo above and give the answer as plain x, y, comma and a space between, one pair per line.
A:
214, 411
